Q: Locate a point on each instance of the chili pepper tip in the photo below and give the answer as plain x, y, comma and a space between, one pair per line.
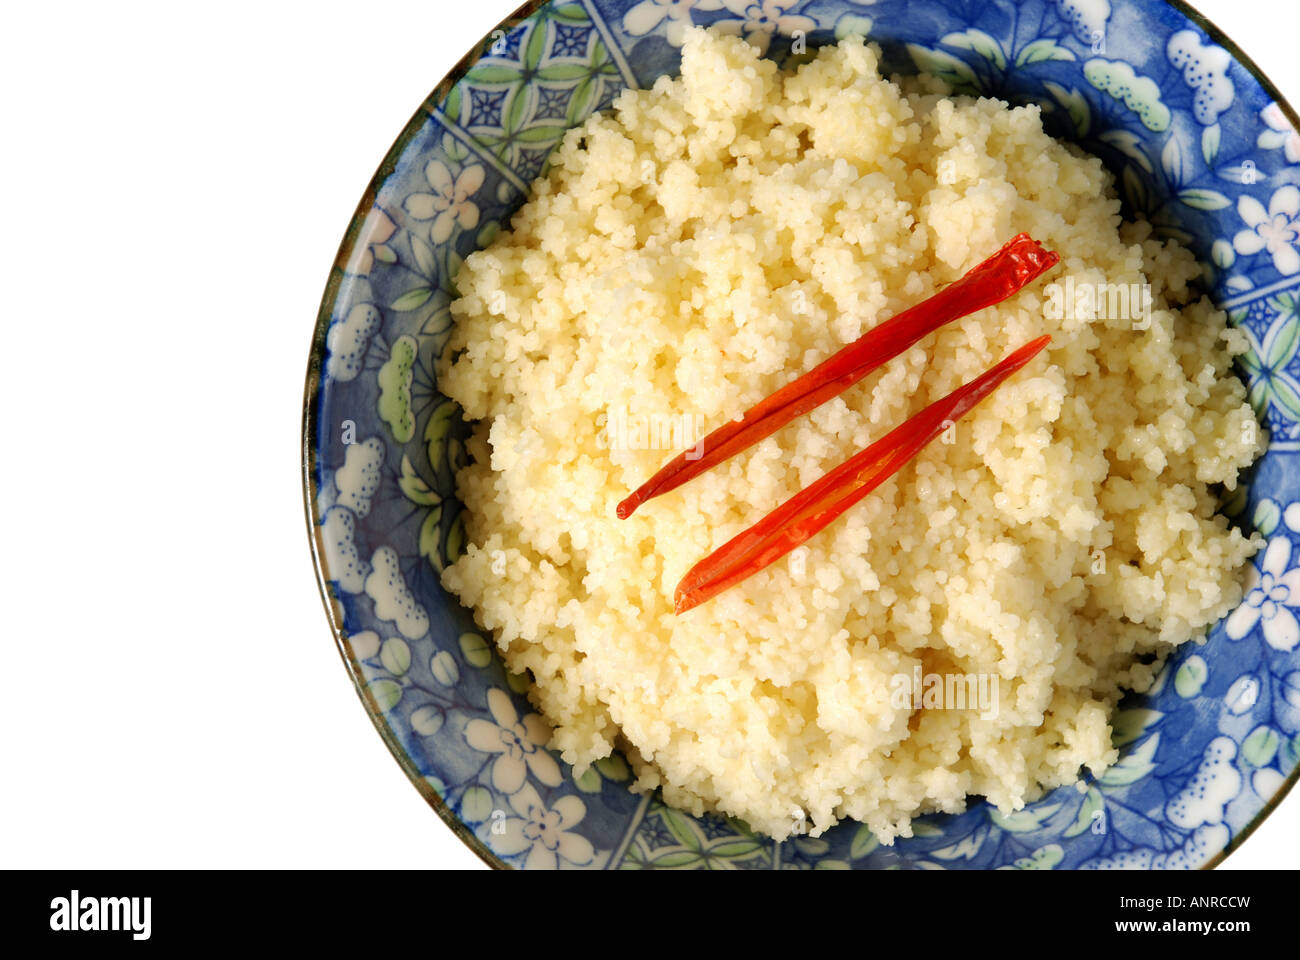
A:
682, 602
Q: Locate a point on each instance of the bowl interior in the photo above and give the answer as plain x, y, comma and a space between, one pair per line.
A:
1201, 146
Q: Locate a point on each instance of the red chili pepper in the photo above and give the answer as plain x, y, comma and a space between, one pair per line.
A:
809, 511
1005, 273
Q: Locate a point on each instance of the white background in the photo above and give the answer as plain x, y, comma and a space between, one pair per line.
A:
177, 179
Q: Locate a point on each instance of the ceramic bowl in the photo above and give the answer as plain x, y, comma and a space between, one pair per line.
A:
1202, 145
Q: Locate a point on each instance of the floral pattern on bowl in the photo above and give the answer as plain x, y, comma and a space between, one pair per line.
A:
1201, 146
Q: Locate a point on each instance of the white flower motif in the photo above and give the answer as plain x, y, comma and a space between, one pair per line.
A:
1276, 229
520, 745
643, 17
379, 229
761, 19
1271, 593
449, 204
1280, 133
544, 832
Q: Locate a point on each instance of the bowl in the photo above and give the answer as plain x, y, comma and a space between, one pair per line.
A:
1202, 145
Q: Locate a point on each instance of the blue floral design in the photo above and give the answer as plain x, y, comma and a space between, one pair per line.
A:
1198, 146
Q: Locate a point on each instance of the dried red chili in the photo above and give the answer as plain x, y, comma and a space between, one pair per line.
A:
809, 511
1011, 269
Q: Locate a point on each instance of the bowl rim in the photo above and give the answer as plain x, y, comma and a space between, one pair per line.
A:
311, 400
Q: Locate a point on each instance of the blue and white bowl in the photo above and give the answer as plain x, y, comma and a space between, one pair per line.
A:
1202, 145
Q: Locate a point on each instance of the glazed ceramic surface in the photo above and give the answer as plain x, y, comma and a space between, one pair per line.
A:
1201, 146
